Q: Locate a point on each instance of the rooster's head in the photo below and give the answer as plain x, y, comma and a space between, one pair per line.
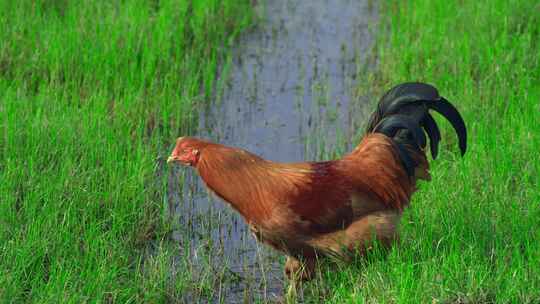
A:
187, 151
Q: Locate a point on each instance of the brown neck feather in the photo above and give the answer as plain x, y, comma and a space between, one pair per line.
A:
249, 183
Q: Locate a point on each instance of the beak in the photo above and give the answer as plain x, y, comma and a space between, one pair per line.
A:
171, 160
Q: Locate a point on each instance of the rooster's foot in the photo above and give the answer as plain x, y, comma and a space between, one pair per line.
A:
299, 270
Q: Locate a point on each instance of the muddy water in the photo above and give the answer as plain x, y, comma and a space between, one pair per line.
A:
289, 96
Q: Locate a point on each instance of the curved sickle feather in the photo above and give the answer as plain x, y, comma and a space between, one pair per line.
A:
434, 134
447, 110
399, 96
406, 93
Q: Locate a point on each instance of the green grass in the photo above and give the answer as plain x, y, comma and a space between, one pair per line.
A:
472, 235
90, 94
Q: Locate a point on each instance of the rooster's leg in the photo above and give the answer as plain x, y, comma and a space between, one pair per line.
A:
380, 226
302, 270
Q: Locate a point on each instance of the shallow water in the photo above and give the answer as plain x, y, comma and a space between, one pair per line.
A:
289, 96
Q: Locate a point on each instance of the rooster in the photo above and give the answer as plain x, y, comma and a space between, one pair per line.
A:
331, 208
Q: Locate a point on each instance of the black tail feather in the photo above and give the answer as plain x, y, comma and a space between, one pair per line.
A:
406, 159
403, 114
452, 115
434, 134
400, 96
389, 126
405, 93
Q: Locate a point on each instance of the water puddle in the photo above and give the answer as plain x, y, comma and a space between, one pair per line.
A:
289, 96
